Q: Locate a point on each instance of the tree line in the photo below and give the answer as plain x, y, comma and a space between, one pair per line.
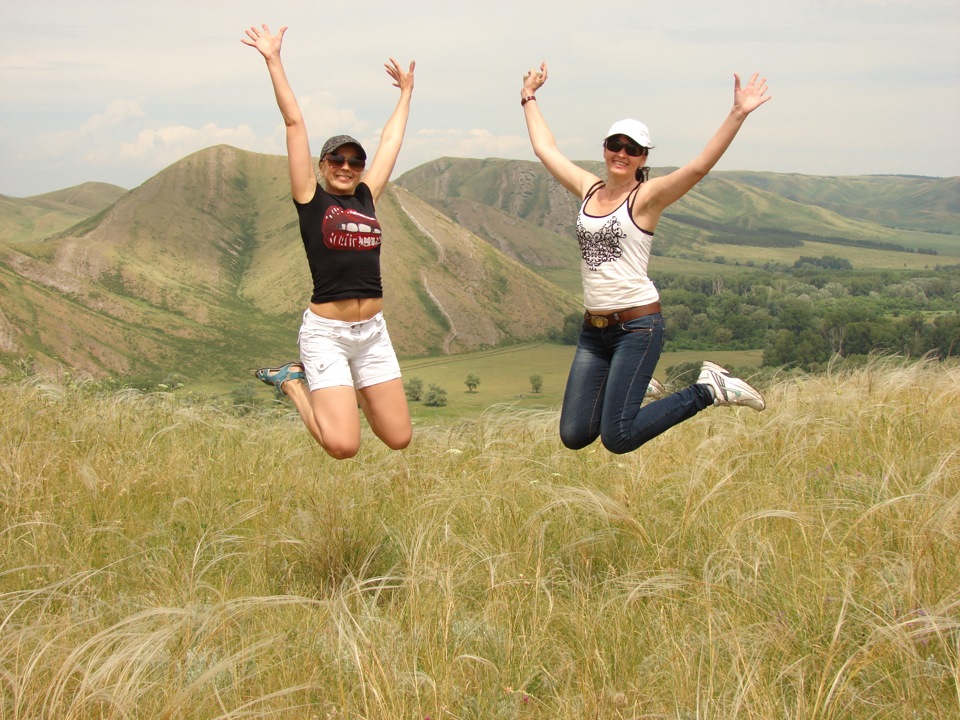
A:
807, 314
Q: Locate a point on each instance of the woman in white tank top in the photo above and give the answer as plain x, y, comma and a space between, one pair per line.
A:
622, 335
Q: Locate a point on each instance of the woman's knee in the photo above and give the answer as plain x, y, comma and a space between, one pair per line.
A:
573, 440
399, 439
340, 447
621, 445
341, 452
624, 440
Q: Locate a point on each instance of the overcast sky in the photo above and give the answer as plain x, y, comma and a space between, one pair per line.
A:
116, 91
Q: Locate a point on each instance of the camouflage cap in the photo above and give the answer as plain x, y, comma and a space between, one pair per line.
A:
338, 141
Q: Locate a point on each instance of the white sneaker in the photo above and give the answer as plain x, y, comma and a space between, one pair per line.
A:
729, 390
707, 365
655, 390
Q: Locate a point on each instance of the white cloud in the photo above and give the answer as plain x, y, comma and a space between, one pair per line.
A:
117, 112
324, 117
428, 144
96, 131
472, 143
115, 95
116, 140
99, 139
160, 147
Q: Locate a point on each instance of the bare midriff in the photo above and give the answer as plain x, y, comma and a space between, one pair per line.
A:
354, 310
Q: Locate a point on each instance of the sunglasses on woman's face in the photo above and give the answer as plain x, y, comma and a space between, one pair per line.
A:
631, 149
355, 163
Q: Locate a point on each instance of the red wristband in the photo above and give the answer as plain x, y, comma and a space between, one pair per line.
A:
527, 99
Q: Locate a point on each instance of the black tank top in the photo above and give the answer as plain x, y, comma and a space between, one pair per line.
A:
341, 235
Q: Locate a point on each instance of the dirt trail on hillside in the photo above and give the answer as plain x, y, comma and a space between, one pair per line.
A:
441, 258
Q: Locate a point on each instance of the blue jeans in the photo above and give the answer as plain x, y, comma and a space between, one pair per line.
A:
608, 380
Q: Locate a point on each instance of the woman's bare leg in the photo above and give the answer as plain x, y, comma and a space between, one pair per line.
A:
385, 407
330, 414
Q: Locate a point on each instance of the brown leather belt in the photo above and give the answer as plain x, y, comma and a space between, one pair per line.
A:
602, 321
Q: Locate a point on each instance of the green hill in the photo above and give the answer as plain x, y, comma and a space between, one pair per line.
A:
202, 267
200, 270
24, 219
895, 201
763, 211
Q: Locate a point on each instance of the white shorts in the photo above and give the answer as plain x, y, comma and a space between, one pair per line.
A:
355, 354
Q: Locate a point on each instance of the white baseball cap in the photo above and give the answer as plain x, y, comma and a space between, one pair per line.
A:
633, 129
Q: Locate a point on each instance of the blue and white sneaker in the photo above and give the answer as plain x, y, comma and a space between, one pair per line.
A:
729, 390
655, 390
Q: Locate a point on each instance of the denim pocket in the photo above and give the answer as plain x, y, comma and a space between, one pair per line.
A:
646, 323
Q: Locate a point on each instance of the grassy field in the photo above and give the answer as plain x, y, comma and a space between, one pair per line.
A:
505, 376
860, 258
163, 558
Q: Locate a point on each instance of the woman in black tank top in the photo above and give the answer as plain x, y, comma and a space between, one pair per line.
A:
346, 357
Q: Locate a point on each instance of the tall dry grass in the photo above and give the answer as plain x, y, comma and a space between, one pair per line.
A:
167, 560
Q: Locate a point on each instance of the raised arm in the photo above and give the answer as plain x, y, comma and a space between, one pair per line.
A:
572, 177
303, 176
378, 173
665, 190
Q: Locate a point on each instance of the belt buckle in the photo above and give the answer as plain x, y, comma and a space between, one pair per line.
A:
599, 321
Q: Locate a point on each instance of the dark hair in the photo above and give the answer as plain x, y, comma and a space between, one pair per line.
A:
643, 174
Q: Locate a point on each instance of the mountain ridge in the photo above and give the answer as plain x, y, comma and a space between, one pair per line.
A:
203, 264
201, 268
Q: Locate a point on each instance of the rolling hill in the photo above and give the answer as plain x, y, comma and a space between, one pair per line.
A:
42, 215
893, 201
203, 266
200, 270
726, 208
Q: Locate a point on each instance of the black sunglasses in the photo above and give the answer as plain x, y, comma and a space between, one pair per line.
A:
631, 149
337, 160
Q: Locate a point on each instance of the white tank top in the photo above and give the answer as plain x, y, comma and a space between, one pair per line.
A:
615, 255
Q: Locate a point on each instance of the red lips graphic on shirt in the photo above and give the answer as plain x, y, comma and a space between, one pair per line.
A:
345, 229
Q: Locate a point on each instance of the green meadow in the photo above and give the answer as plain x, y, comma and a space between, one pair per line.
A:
504, 375
165, 556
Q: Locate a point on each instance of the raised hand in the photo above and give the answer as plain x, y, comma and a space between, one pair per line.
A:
401, 79
534, 79
263, 40
749, 98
